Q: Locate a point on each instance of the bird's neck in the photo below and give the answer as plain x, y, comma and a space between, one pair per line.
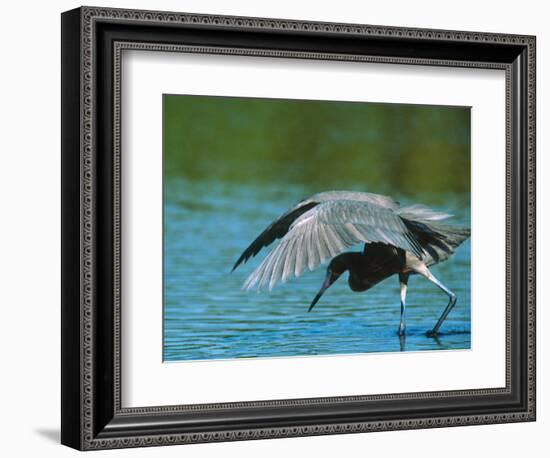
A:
356, 282
357, 266
350, 262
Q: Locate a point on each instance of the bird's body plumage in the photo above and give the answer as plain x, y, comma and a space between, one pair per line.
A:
397, 240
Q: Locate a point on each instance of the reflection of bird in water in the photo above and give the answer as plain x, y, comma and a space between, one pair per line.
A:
398, 240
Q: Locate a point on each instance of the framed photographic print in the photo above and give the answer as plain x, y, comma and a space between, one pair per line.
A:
277, 228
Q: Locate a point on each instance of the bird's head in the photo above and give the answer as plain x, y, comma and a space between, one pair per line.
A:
337, 267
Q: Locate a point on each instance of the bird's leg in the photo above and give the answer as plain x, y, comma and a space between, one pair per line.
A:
402, 342
403, 280
452, 300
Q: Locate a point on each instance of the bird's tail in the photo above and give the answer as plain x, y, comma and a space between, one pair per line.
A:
422, 213
438, 239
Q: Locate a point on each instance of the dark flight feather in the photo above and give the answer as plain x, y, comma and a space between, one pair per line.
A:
276, 230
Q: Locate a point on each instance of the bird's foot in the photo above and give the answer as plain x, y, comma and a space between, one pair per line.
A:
432, 333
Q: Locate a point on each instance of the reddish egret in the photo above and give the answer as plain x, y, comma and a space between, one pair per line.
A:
398, 240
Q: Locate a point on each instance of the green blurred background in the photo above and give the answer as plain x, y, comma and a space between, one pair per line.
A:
392, 148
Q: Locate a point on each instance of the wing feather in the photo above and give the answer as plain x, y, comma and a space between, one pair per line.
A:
268, 268
312, 254
327, 230
290, 257
321, 248
277, 270
301, 255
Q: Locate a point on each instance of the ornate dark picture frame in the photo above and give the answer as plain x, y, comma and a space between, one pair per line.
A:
92, 42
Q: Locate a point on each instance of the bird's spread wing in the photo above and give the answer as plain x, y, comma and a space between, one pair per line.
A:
327, 230
278, 228
275, 230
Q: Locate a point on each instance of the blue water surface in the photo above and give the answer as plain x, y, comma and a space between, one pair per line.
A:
207, 316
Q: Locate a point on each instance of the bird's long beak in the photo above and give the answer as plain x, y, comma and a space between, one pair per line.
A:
329, 280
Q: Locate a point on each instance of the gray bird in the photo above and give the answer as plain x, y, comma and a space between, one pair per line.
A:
398, 240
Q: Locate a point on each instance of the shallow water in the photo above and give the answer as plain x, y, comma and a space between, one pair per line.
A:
207, 315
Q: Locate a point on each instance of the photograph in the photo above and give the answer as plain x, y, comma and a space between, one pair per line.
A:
295, 228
